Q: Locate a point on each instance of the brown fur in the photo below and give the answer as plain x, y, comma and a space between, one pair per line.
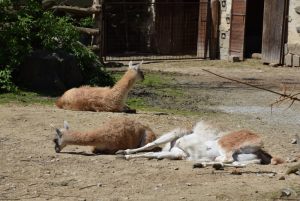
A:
235, 141
116, 134
239, 139
99, 99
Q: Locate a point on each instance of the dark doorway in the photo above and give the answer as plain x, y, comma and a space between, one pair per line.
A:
254, 27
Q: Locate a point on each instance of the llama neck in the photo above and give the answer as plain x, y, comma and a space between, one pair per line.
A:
124, 85
80, 138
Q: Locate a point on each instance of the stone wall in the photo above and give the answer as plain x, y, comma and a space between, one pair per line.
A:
225, 28
292, 48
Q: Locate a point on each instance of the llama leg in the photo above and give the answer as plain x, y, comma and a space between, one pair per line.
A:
127, 109
168, 137
247, 159
174, 154
225, 157
244, 163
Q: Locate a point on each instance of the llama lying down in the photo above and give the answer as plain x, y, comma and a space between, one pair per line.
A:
202, 144
116, 134
102, 99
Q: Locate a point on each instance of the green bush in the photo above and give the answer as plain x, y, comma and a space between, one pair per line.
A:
28, 28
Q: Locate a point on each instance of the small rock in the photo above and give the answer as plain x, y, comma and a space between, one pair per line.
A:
298, 172
285, 193
188, 184
291, 160
198, 165
182, 198
236, 172
176, 168
274, 64
99, 184
159, 185
294, 141
271, 175
218, 167
282, 178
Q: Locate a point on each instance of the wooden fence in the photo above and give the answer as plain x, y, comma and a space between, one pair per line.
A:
96, 32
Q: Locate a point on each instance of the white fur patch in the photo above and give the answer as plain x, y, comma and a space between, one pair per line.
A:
206, 131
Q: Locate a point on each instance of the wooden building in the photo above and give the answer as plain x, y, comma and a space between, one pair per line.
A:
208, 29
267, 27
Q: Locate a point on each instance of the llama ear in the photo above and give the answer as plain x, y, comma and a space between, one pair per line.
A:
66, 125
58, 132
130, 64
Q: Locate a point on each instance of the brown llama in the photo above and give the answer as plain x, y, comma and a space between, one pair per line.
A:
115, 134
102, 99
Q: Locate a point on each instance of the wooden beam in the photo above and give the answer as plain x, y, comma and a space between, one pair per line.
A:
77, 10
94, 47
89, 31
215, 6
98, 39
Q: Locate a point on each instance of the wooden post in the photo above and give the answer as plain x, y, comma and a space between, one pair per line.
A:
202, 41
215, 5
98, 39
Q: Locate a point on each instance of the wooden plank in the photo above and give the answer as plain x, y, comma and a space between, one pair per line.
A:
274, 31
215, 5
98, 38
88, 31
237, 29
76, 10
202, 43
163, 27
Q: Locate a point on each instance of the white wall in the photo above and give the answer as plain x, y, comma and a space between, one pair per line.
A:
224, 29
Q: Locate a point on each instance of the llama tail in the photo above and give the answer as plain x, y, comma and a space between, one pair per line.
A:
277, 160
267, 158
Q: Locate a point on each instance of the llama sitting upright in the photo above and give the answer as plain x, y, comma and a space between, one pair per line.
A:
116, 134
203, 144
102, 99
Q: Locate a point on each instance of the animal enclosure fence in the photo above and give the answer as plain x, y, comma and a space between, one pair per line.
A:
153, 29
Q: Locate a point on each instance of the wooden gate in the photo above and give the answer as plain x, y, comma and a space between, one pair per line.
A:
160, 29
274, 31
176, 27
237, 30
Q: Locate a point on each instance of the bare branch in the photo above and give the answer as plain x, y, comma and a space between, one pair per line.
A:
283, 96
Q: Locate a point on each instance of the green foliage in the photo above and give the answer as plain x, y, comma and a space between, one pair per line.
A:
153, 80
86, 22
28, 28
22, 97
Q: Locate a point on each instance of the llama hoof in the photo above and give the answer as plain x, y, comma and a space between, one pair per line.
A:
130, 111
121, 152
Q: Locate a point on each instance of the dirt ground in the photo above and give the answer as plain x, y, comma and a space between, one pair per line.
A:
31, 170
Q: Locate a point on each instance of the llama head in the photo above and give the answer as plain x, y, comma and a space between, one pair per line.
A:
137, 69
58, 135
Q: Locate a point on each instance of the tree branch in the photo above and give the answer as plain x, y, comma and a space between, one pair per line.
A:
283, 96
